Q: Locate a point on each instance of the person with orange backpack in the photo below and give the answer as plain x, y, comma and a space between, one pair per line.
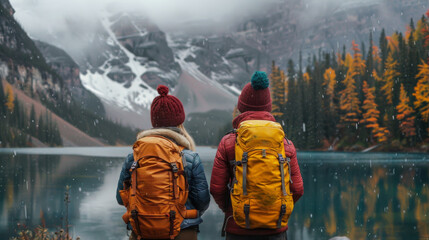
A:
162, 183
256, 179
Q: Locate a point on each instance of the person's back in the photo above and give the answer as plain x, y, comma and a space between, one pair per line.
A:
166, 161
254, 104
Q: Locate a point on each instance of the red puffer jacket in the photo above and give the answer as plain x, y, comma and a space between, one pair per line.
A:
222, 174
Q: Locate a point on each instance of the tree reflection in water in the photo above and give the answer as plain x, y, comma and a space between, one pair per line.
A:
363, 201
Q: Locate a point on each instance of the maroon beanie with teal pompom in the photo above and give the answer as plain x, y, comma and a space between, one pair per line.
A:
255, 95
166, 110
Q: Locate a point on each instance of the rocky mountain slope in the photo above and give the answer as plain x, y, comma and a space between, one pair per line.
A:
128, 56
71, 136
69, 71
311, 26
47, 77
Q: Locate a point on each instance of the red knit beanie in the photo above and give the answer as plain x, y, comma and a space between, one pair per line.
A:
166, 110
255, 96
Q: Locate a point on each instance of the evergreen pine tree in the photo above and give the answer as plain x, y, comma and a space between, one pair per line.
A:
2, 100
41, 129
48, 129
403, 62
57, 141
32, 120
383, 49
369, 63
15, 116
359, 68
412, 67
298, 119
290, 110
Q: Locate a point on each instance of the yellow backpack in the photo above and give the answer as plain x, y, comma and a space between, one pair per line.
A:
260, 193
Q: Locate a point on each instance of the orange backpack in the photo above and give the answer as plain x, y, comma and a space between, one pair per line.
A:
156, 199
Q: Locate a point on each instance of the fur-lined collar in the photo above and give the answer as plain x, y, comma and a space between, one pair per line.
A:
171, 133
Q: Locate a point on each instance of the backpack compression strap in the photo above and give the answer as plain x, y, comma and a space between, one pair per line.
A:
282, 173
134, 212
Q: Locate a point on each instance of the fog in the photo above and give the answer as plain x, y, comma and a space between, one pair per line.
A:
42, 17
69, 24
48, 16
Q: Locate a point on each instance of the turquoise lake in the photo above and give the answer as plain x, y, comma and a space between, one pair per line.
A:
358, 195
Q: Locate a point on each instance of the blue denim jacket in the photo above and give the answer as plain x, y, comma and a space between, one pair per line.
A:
198, 198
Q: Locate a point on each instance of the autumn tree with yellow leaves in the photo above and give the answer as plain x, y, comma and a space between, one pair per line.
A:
9, 98
406, 115
349, 101
329, 82
278, 91
371, 115
422, 92
389, 77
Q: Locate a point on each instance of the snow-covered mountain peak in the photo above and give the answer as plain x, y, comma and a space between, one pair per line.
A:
122, 76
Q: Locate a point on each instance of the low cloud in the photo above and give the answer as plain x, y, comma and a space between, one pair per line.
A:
44, 16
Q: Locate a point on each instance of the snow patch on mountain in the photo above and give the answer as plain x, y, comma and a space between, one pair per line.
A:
135, 95
183, 49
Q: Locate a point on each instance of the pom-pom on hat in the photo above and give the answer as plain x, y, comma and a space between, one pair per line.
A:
166, 110
255, 95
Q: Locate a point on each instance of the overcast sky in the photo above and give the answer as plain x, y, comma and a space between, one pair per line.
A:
51, 15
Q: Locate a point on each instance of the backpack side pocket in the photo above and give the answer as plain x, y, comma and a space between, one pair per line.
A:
125, 193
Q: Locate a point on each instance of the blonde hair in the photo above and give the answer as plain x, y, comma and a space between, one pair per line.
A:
187, 136
235, 112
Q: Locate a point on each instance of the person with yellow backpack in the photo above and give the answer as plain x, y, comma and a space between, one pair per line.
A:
162, 183
256, 178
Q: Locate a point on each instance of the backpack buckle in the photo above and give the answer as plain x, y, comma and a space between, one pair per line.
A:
283, 209
134, 214
244, 158
281, 159
174, 167
133, 166
172, 214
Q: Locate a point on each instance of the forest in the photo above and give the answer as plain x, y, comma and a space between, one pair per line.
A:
358, 98
21, 126
17, 128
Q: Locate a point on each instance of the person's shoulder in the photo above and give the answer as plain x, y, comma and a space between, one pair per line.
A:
128, 162
289, 147
190, 156
228, 137
190, 153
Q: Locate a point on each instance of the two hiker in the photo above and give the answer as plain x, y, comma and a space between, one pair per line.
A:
255, 179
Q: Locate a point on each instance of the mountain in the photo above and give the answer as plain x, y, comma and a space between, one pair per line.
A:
128, 56
48, 81
125, 61
69, 71
311, 26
